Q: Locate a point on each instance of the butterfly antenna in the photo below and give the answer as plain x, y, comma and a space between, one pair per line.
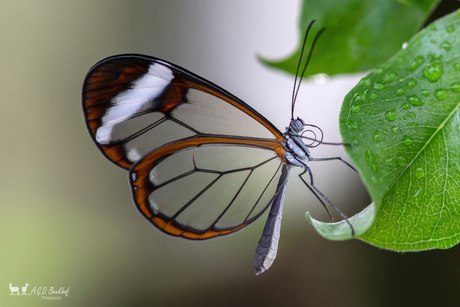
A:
297, 86
298, 66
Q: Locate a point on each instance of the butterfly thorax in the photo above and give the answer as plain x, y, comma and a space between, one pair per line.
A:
295, 150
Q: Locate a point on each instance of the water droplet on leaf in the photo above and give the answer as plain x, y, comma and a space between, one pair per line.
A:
440, 94
414, 100
364, 81
405, 106
415, 63
360, 96
377, 136
400, 91
455, 87
320, 79
411, 83
433, 71
352, 125
419, 172
389, 77
446, 46
391, 115
408, 140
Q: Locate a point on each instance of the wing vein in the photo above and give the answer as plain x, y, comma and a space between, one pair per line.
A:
257, 202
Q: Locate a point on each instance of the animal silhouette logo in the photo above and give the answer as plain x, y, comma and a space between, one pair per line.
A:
15, 290
24, 289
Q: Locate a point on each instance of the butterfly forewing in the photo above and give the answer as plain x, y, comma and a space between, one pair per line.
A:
134, 104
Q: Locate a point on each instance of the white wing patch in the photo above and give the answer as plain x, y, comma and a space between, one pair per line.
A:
133, 154
134, 101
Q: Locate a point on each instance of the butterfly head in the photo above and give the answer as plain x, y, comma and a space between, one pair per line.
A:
296, 126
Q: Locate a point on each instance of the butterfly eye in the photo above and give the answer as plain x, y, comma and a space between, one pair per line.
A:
296, 126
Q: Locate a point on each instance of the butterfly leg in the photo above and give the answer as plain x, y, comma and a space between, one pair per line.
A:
316, 195
334, 158
316, 191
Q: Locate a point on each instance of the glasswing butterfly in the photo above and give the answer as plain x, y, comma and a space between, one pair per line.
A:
202, 163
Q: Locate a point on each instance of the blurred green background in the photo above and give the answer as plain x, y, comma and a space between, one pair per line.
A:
66, 215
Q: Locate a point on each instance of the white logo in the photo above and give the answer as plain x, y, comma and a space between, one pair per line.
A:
15, 290
45, 293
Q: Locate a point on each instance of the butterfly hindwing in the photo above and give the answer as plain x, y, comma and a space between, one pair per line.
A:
206, 187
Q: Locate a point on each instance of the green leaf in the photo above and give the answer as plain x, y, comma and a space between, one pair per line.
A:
341, 230
403, 122
360, 34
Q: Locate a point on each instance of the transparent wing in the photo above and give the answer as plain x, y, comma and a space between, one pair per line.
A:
205, 188
134, 104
